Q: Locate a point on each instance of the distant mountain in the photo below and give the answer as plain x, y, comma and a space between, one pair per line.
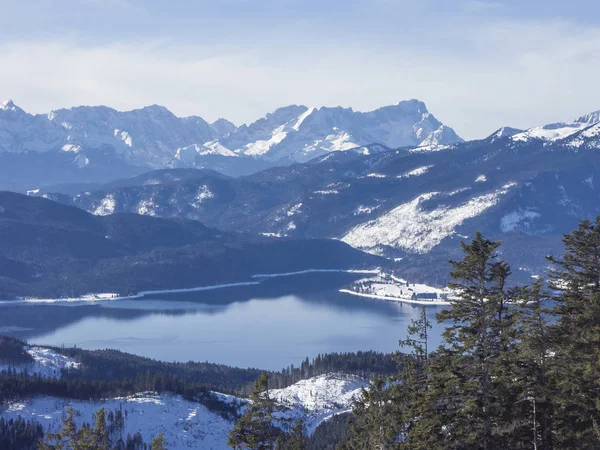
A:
49, 249
297, 133
99, 144
523, 187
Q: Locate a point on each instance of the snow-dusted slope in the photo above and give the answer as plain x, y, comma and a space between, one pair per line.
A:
184, 424
416, 229
559, 131
317, 399
46, 363
188, 424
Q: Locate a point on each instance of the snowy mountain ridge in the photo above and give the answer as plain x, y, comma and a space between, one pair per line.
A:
87, 137
297, 133
559, 131
407, 204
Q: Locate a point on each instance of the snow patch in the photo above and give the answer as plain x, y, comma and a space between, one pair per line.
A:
123, 136
106, 206
259, 148
327, 192
362, 209
204, 193
302, 117
146, 208
517, 219
415, 172
71, 148
294, 210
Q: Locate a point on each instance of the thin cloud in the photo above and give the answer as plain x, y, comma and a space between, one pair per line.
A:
498, 73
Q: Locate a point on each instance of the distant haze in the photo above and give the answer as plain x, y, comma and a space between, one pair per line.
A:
478, 65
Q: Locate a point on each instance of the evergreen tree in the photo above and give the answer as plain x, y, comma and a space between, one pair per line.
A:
70, 437
101, 438
408, 390
372, 423
532, 389
255, 429
576, 342
463, 388
296, 439
158, 443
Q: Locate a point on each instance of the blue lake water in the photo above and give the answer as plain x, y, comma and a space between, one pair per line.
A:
274, 324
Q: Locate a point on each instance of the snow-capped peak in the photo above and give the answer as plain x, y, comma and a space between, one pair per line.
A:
504, 132
9, 105
590, 118
413, 105
223, 127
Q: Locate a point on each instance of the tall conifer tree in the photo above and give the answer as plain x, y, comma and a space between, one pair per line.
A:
576, 342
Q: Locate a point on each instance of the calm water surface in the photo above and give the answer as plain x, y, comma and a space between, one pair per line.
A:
270, 326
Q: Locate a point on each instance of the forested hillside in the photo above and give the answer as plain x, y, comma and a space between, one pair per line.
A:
51, 250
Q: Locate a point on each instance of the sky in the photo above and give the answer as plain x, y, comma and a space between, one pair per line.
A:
477, 64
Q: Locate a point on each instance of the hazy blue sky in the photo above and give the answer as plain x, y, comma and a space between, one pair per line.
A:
477, 64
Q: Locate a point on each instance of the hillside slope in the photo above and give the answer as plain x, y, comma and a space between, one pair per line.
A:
49, 249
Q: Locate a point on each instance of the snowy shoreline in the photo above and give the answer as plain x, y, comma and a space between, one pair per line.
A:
93, 298
398, 299
301, 272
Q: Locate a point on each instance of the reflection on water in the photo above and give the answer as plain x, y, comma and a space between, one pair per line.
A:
271, 325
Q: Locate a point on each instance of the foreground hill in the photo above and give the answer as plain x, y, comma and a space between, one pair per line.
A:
526, 188
49, 249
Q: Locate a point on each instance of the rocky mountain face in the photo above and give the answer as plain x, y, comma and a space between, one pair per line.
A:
100, 144
411, 205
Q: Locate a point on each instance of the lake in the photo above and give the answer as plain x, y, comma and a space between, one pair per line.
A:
278, 322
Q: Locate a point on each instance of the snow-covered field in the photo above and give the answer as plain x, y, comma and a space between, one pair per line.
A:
184, 424
190, 425
46, 363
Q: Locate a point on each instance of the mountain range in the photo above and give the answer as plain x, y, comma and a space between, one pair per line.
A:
393, 182
99, 144
411, 204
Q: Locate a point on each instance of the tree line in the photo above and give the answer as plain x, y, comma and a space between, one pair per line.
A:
519, 366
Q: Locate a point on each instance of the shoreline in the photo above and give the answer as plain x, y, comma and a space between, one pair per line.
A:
398, 299
301, 272
104, 297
